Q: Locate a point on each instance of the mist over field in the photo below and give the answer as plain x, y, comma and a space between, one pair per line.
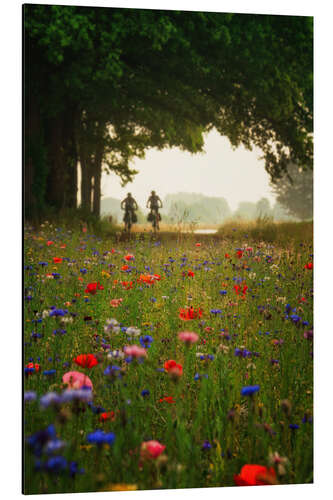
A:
200, 209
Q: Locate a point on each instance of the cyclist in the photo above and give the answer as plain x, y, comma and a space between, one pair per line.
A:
129, 205
154, 203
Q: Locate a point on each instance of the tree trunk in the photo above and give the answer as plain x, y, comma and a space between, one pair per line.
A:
62, 158
70, 158
97, 181
86, 185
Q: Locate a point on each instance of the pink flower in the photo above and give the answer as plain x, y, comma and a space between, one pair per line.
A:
76, 380
188, 337
115, 302
135, 351
151, 449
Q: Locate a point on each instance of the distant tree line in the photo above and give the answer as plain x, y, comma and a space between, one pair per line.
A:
102, 85
194, 208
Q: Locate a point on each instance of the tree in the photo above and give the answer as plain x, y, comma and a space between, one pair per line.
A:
246, 210
294, 191
263, 208
169, 75
280, 213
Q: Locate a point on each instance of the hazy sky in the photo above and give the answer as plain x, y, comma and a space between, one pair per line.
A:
237, 175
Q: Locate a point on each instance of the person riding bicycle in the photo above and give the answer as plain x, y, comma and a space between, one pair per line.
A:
154, 203
129, 205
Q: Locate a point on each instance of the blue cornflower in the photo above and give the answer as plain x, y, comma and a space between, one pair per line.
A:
83, 270
73, 469
59, 331
100, 437
250, 390
306, 419
112, 371
30, 396
56, 464
293, 426
223, 292
145, 392
84, 394
49, 372
146, 341
96, 409
40, 438
51, 398
216, 311
28, 370
36, 335
42, 263
58, 312
54, 445
206, 445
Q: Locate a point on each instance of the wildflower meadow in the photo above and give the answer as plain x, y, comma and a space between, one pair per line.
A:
152, 363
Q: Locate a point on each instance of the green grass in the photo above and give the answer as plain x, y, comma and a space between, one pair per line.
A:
241, 430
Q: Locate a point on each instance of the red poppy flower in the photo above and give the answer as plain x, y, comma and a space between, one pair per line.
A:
57, 260
125, 267
239, 289
63, 245
33, 365
173, 368
167, 399
255, 475
86, 360
190, 313
108, 415
190, 273
129, 257
239, 253
149, 279
113, 250
127, 284
198, 244
309, 265
49, 243
93, 287
227, 256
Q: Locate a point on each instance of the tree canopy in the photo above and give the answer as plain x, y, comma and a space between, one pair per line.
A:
102, 85
294, 191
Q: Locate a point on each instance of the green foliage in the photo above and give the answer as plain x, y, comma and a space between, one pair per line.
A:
294, 192
35, 154
164, 78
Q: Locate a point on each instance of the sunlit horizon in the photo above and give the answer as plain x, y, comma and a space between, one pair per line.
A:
236, 175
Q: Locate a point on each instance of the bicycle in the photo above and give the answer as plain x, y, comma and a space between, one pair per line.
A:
129, 219
155, 219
